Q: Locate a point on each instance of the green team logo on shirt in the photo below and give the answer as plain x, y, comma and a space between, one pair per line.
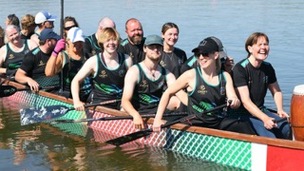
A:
148, 99
14, 66
109, 89
203, 106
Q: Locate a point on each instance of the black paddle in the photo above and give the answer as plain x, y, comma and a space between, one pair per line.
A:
8, 90
139, 134
115, 118
35, 115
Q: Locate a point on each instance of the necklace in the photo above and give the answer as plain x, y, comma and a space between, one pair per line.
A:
151, 73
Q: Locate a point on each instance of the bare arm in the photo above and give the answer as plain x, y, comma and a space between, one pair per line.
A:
184, 81
2, 59
54, 64
128, 61
22, 77
174, 101
89, 67
131, 79
278, 98
243, 92
35, 40
230, 92
31, 44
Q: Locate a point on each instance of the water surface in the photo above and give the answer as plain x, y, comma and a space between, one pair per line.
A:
41, 147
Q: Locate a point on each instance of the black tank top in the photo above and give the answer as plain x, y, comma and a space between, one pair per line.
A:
14, 59
70, 69
147, 93
205, 97
108, 83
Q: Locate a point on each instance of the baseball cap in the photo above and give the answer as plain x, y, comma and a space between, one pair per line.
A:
48, 34
43, 16
207, 45
75, 34
153, 40
222, 52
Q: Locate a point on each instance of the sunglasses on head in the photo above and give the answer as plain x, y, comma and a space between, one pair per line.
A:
68, 28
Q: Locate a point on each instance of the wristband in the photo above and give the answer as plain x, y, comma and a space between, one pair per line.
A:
55, 54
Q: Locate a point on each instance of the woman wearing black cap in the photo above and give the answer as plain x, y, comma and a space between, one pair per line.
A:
207, 86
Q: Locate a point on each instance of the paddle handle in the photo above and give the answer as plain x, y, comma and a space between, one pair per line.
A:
48, 88
190, 117
101, 103
143, 116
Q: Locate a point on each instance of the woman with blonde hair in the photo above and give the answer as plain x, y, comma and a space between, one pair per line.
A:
107, 70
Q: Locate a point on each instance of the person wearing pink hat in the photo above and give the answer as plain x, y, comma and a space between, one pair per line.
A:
67, 59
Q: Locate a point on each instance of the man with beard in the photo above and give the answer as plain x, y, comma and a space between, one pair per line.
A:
133, 45
146, 82
31, 71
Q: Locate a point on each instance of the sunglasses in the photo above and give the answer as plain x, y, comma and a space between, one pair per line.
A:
203, 54
68, 28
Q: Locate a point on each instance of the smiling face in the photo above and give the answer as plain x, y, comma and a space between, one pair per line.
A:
134, 31
13, 34
207, 60
260, 49
153, 52
170, 36
110, 45
109, 40
75, 48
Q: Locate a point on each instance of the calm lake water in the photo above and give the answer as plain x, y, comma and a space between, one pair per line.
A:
231, 20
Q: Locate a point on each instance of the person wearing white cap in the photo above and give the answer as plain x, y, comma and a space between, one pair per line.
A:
31, 71
68, 57
106, 69
43, 19
146, 82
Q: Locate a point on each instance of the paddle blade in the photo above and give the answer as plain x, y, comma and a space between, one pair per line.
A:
34, 115
130, 137
7, 90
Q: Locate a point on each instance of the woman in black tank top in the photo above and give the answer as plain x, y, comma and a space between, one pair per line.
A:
207, 87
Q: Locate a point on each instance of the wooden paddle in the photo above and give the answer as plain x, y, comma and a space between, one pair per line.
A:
139, 134
182, 114
8, 90
35, 115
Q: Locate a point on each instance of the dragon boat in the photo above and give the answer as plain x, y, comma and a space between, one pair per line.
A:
242, 151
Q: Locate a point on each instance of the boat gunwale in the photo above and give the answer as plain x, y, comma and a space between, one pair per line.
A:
292, 144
